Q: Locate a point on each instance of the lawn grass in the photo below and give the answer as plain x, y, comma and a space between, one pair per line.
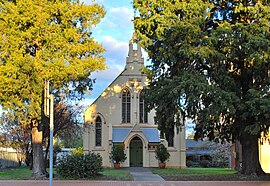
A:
205, 174
24, 173
116, 174
193, 171
15, 173
106, 174
197, 174
122, 174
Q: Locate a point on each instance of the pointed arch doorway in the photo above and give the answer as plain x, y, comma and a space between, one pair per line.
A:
136, 152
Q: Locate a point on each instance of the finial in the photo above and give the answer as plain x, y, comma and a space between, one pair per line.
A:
134, 38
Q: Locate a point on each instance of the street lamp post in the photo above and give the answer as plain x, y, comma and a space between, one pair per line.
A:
48, 111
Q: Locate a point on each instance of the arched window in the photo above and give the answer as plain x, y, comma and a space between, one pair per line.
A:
98, 131
125, 106
170, 137
143, 112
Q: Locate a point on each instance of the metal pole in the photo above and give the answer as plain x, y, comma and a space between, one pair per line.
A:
51, 138
47, 98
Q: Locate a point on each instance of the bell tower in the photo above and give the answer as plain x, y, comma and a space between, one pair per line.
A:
134, 60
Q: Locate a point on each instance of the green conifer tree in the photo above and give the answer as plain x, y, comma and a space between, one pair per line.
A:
210, 61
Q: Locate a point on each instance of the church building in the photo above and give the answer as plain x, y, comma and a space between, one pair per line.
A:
118, 117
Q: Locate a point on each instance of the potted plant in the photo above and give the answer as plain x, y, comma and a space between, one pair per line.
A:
118, 155
162, 155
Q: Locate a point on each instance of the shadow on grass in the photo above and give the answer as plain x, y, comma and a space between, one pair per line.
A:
205, 174
15, 173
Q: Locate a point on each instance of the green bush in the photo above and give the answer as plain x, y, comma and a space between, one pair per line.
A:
162, 153
80, 166
205, 163
79, 150
191, 163
118, 155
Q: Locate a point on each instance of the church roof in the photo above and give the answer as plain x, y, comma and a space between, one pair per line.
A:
151, 134
119, 134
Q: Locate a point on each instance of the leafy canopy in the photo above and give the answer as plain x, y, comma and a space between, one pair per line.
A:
210, 61
46, 40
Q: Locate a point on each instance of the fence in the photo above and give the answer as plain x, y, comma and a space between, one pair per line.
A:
8, 157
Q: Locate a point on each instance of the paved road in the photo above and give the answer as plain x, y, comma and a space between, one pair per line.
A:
129, 183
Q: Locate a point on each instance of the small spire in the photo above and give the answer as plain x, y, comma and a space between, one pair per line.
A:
135, 51
134, 38
132, 51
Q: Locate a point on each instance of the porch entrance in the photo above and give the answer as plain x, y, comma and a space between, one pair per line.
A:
136, 152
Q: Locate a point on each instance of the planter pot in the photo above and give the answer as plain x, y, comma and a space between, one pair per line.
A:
117, 165
162, 165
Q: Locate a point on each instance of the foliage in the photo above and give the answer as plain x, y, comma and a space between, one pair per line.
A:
69, 126
66, 125
191, 163
162, 153
76, 143
78, 151
57, 148
45, 40
205, 163
15, 135
210, 61
117, 154
30, 52
221, 154
80, 166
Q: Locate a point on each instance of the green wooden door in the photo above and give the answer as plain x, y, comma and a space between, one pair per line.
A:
136, 152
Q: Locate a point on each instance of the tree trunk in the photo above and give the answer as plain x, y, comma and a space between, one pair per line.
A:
19, 156
29, 156
46, 160
250, 155
38, 171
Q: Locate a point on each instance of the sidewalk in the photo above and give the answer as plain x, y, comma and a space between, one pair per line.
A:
144, 174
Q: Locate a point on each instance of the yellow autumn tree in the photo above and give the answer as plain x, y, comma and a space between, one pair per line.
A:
49, 39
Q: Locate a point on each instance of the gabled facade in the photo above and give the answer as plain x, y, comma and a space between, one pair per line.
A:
118, 116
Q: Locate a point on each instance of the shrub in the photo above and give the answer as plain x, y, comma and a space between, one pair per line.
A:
56, 150
191, 163
221, 155
205, 163
118, 155
80, 166
79, 150
162, 153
